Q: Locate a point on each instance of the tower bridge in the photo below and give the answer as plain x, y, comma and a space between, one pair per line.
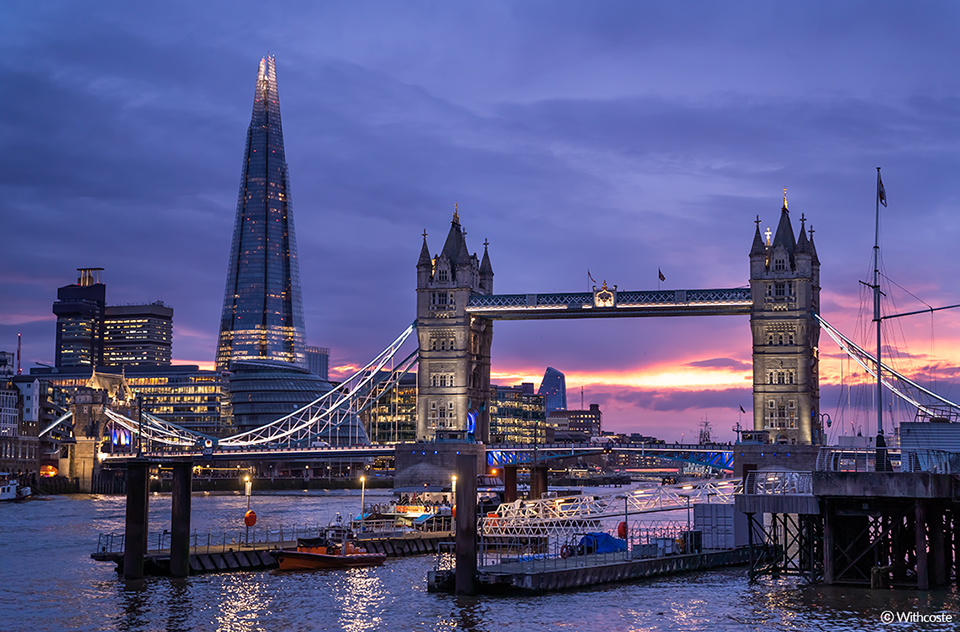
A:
456, 310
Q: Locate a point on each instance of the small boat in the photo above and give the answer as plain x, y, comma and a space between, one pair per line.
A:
10, 488
317, 553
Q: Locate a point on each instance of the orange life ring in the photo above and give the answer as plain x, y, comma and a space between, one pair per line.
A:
565, 551
622, 530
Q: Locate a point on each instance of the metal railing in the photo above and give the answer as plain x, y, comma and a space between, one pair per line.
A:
850, 459
558, 516
215, 542
780, 482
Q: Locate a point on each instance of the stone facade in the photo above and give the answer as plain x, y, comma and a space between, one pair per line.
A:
454, 365
785, 284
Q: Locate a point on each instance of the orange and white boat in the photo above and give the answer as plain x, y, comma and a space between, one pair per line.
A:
317, 553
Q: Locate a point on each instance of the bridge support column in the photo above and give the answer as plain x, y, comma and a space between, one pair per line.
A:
509, 483
538, 481
135, 531
180, 519
465, 577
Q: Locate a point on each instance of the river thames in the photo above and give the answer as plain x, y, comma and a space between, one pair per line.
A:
48, 582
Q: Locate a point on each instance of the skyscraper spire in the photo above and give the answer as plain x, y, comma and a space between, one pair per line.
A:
262, 307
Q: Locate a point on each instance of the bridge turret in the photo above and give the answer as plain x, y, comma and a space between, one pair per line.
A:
486, 272
784, 281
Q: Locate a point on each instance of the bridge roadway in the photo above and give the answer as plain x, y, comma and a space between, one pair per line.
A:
717, 457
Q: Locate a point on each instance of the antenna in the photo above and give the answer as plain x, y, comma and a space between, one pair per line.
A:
18, 355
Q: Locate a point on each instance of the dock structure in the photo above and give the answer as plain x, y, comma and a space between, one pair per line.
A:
873, 517
226, 557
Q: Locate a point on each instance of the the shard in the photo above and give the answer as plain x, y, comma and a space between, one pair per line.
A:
262, 306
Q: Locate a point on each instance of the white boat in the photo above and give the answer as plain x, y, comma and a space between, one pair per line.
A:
10, 488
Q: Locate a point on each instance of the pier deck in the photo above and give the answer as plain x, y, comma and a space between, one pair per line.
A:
538, 576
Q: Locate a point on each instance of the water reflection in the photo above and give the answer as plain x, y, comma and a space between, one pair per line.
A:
242, 603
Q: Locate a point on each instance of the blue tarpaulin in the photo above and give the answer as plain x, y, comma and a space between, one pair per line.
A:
600, 543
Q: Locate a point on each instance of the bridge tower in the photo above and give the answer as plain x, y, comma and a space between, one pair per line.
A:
785, 287
453, 378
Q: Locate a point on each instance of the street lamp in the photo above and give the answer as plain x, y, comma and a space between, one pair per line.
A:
363, 489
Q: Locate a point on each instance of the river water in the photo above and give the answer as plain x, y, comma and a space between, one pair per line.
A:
48, 582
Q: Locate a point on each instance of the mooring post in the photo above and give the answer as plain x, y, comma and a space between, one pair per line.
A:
923, 578
750, 542
538, 481
138, 505
180, 519
509, 483
465, 578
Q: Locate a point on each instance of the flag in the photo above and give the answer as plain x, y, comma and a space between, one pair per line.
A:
590, 277
742, 410
660, 274
881, 193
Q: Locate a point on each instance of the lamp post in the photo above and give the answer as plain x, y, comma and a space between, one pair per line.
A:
626, 525
363, 489
139, 425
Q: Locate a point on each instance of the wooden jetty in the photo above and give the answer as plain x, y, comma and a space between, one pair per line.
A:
225, 558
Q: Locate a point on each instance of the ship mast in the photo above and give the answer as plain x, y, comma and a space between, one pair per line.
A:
876, 311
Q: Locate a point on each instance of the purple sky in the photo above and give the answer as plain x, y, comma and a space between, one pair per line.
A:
619, 137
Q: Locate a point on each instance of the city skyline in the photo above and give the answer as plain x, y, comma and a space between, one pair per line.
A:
622, 140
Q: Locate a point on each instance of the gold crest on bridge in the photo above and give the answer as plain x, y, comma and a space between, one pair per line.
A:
605, 297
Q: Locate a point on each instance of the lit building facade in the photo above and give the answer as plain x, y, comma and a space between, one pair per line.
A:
137, 335
80, 320
262, 315
554, 390
589, 422
517, 415
393, 418
181, 394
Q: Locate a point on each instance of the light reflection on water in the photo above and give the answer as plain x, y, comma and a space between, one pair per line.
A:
49, 582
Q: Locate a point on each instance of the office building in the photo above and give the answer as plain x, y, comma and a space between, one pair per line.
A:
553, 388
517, 415
137, 335
182, 394
393, 418
585, 423
318, 361
80, 320
262, 315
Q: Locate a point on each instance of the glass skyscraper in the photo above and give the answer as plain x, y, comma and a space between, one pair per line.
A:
554, 390
262, 307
